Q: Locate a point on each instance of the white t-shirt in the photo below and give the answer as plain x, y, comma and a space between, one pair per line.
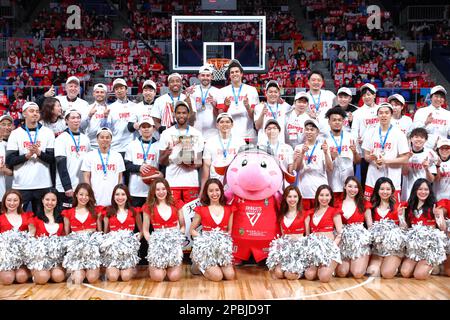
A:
65, 147
135, 154
396, 144
295, 127
343, 164
313, 174
441, 188
57, 127
321, 103
176, 175
162, 106
243, 125
214, 150
95, 123
118, 119
205, 121
404, 123
103, 185
363, 119
34, 173
440, 127
79, 104
277, 112
416, 170
143, 111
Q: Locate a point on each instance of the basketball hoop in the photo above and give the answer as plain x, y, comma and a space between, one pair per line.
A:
220, 67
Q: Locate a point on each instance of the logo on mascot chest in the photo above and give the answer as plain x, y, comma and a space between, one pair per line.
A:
241, 231
253, 214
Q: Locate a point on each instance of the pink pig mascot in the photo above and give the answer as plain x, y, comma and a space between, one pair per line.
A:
254, 179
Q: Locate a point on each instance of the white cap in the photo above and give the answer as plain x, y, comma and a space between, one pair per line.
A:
369, 86
100, 86
442, 142
345, 90
72, 79
272, 83
384, 105
68, 111
150, 83
224, 115
119, 81
313, 122
6, 116
104, 129
29, 104
438, 88
148, 120
301, 94
175, 74
205, 69
398, 97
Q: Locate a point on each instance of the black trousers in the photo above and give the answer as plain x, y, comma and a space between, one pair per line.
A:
139, 202
32, 197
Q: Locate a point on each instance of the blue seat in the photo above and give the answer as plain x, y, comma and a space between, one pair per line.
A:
406, 94
383, 93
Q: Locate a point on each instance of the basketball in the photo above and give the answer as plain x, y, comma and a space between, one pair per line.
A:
146, 175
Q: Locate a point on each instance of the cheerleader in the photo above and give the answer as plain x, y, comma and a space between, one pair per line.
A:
292, 225
388, 239
322, 244
165, 253
13, 218
443, 206
47, 226
120, 221
355, 243
84, 220
212, 250
425, 247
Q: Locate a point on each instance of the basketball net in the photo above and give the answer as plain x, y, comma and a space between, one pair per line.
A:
220, 67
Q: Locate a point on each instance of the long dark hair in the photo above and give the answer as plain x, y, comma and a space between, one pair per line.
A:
47, 109
91, 203
359, 197
284, 207
114, 208
316, 198
413, 200
204, 199
376, 199
152, 200
40, 213
17, 193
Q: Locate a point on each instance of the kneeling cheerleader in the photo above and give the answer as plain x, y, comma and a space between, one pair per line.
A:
212, 251
165, 253
425, 244
287, 254
323, 251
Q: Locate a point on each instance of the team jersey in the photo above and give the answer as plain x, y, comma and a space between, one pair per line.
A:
118, 118
326, 223
177, 175
102, 184
404, 123
79, 104
164, 108
57, 127
416, 170
66, 147
33, 173
395, 145
205, 121
441, 188
135, 153
313, 174
243, 125
363, 119
207, 221
438, 128
47, 229
218, 148
295, 127
78, 225
343, 164
277, 112
96, 122
5, 224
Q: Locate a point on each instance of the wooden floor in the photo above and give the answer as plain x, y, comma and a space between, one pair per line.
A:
252, 283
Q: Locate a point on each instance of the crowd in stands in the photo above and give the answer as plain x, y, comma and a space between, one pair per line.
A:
438, 31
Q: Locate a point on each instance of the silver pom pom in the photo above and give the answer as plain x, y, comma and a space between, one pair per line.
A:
387, 238
44, 253
212, 248
120, 249
355, 241
12, 249
322, 250
83, 251
426, 243
165, 248
277, 250
290, 253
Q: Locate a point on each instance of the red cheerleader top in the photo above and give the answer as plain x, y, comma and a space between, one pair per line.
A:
157, 221
208, 222
326, 223
76, 225
128, 224
445, 203
356, 217
5, 225
41, 228
297, 226
424, 217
